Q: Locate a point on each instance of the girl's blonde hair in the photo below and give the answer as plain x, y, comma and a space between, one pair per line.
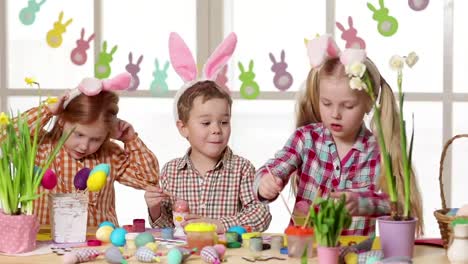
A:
86, 110
307, 111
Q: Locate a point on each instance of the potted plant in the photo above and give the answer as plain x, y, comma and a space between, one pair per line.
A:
400, 224
329, 217
19, 181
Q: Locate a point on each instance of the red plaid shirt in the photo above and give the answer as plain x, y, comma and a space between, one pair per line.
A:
135, 166
224, 193
312, 154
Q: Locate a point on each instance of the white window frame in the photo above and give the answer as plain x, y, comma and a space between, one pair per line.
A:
210, 25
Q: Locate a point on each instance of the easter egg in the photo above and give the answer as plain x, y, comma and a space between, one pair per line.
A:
81, 178
209, 255
145, 254
152, 245
104, 167
104, 233
96, 181
114, 255
221, 249
70, 258
301, 208
49, 181
37, 170
117, 237
107, 223
174, 256
143, 239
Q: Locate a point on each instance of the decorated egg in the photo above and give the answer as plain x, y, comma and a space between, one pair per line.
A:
104, 233
145, 254
49, 181
117, 237
152, 245
96, 181
174, 256
107, 223
209, 255
81, 178
114, 255
221, 249
301, 208
104, 167
143, 239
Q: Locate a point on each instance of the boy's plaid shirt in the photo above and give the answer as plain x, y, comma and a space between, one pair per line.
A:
224, 193
135, 166
312, 154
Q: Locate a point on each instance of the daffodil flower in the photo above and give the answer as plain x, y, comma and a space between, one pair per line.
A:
397, 63
4, 119
357, 84
356, 69
411, 59
29, 81
51, 100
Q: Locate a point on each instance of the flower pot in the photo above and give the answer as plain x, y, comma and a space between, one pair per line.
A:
68, 217
328, 255
396, 237
18, 233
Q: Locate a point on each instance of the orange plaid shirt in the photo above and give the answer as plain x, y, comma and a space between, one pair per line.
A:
135, 166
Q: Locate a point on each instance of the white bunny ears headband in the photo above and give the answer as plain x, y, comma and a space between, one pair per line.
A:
93, 86
184, 64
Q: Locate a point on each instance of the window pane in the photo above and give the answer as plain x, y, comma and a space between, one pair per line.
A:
142, 27
279, 25
426, 153
29, 54
460, 42
426, 76
459, 153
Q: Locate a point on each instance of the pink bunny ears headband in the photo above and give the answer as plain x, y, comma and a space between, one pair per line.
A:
93, 86
184, 64
323, 48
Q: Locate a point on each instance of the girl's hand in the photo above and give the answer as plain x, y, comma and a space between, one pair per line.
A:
191, 218
352, 201
123, 131
154, 197
57, 108
270, 186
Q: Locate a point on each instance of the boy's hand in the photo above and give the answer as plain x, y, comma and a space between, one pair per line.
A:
270, 186
199, 219
123, 131
352, 201
153, 197
57, 108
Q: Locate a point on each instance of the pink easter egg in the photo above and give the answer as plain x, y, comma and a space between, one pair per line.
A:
301, 208
81, 178
221, 249
49, 181
209, 255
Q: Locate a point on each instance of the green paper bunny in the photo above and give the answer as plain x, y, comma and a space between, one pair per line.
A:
249, 88
102, 68
387, 25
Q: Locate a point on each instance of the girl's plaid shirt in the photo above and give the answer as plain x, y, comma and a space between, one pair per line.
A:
135, 166
224, 193
312, 154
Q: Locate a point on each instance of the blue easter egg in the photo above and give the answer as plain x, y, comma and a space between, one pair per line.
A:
101, 167
174, 256
107, 223
117, 237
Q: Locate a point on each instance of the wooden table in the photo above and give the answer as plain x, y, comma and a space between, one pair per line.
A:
423, 254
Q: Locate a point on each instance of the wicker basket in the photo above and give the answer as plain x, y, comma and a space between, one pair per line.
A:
442, 219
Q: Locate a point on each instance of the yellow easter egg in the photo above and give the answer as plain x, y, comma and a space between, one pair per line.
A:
152, 245
103, 233
96, 181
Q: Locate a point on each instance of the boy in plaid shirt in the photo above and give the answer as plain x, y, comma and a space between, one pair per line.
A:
216, 183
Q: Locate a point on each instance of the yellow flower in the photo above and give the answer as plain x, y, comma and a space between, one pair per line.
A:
29, 81
356, 69
4, 119
397, 63
411, 59
51, 100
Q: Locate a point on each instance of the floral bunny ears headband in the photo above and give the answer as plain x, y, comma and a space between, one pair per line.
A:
184, 64
324, 48
93, 86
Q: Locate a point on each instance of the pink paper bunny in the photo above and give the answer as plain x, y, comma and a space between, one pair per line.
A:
133, 69
78, 55
184, 64
283, 79
350, 35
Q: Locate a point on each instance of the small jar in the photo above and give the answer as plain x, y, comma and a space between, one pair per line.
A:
200, 235
299, 239
246, 238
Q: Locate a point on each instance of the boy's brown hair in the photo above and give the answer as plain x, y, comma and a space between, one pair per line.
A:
207, 90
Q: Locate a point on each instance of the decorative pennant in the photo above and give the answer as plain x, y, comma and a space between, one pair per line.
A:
418, 5
249, 88
27, 15
158, 85
350, 35
133, 69
102, 68
222, 79
78, 55
387, 25
54, 36
282, 79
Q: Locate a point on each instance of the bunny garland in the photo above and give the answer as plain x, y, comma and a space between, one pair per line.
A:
27, 15
93, 86
54, 36
350, 35
184, 64
78, 55
133, 69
